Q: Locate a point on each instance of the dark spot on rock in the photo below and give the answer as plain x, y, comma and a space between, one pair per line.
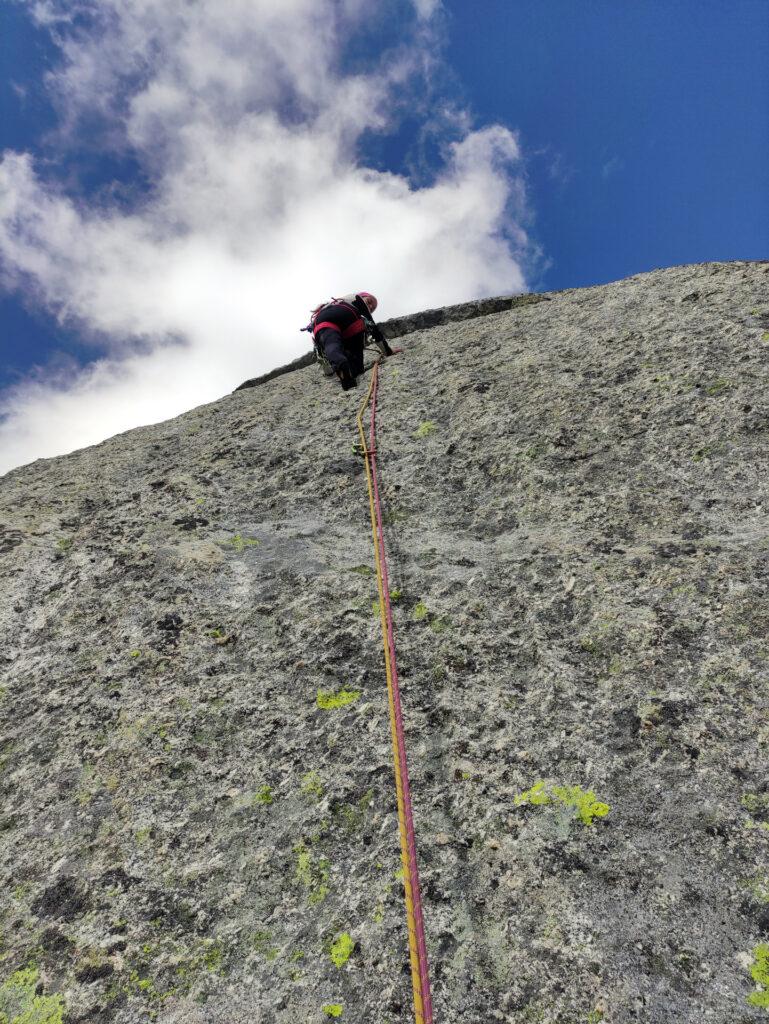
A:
626, 727
100, 1014
9, 539
692, 532
558, 858
117, 877
672, 712
53, 941
171, 624
92, 972
667, 550
758, 913
65, 900
190, 522
560, 610
755, 420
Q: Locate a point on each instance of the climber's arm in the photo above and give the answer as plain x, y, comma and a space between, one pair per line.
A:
379, 338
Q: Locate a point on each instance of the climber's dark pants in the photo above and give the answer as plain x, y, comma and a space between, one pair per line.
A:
342, 354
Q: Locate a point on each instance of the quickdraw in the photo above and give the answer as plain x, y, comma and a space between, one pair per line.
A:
420, 977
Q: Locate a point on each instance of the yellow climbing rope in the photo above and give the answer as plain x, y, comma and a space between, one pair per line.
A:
417, 947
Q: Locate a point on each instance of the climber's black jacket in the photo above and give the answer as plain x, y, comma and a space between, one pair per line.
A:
341, 317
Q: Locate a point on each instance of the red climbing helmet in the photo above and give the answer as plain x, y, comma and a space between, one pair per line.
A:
370, 300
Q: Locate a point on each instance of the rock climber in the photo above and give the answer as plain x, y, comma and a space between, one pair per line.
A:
339, 329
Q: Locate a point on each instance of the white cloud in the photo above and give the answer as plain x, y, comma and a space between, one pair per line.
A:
245, 119
427, 8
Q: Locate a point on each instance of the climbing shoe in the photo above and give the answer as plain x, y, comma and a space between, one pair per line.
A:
346, 377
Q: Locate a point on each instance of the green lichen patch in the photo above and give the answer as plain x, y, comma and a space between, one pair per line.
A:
328, 700
312, 785
221, 638
424, 429
332, 1009
341, 949
146, 987
583, 802
352, 815
758, 887
263, 796
757, 804
749, 823
208, 956
261, 941
213, 958
239, 543
759, 972
19, 1003
312, 873
719, 386
362, 570
420, 611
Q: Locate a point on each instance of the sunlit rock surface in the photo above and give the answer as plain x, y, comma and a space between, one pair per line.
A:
577, 504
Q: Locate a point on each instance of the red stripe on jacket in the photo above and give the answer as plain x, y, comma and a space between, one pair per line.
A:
356, 327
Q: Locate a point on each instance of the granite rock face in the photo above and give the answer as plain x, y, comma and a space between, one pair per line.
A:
197, 789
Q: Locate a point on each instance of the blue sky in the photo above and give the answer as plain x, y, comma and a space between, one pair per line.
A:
647, 124
597, 140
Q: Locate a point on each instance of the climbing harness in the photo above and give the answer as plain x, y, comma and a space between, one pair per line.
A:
371, 343
420, 977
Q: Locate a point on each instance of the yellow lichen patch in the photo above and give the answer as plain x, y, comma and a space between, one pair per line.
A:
328, 700
239, 543
20, 1005
759, 972
583, 802
311, 873
332, 1009
341, 949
